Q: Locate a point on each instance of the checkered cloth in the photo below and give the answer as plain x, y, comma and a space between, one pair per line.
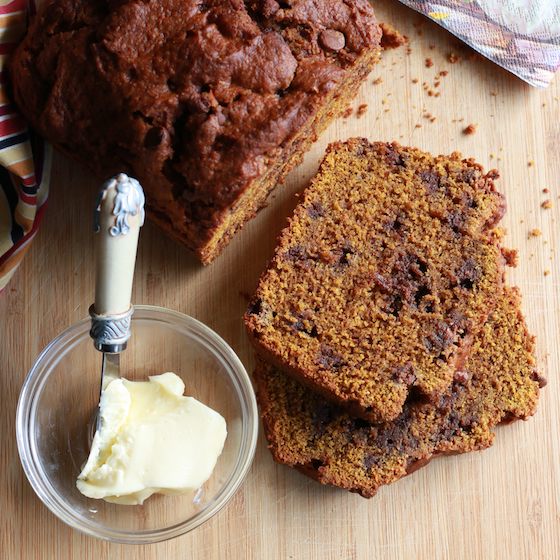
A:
24, 158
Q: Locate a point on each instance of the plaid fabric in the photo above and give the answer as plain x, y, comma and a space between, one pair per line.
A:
522, 36
24, 158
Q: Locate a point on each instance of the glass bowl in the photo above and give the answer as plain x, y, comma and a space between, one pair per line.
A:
58, 403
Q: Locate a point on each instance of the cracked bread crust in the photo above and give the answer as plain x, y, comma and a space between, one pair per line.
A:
196, 98
498, 384
384, 275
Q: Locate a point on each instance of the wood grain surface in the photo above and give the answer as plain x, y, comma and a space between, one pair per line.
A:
503, 503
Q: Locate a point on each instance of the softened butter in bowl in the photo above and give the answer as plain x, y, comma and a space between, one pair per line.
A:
61, 394
151, 439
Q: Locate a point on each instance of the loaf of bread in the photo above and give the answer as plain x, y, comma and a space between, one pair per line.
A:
386, 272
498, 383
209, 103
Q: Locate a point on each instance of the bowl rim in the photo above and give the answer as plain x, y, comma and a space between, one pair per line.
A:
37, 377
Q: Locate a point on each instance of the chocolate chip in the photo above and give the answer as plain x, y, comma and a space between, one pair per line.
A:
457, 321
440, 339
421, 293
468, 176
395, 305
404, 374
322, 414
539, 379
329, 359
299, 326
332, 40
154, 137
393, 157
371, 460
431, 181
296, 253
316, 464
315, 210
456, 221
255, 307
347, 251
468, 274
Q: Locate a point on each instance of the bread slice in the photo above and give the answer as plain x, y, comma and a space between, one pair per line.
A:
208, 103
497, 384
386, 271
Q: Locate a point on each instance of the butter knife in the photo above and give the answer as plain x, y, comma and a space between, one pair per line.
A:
119, 214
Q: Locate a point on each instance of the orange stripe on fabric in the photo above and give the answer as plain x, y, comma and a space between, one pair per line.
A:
20, 168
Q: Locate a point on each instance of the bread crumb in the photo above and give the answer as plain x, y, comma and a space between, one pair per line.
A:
494, 93
418, 125
347, 112
470, 129
429, 63
362, 110
511, 257
530, 163
453, 58
536, 232
545, 191
547, 204
391, 38
546, 272
377, 81
415, 80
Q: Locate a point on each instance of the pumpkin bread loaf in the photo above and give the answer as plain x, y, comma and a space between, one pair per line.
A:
386, 272
209, 103
498, 383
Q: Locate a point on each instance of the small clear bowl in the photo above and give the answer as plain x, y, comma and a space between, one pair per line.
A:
58, 402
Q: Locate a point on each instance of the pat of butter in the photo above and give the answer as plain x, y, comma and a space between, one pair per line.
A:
151, 439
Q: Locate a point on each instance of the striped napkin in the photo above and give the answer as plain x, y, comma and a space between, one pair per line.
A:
24, 158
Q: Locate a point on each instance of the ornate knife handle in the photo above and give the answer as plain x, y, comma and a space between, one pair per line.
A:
119, 214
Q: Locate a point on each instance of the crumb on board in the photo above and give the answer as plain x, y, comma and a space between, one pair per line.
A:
377, 81
429, 63
535, 232
347, 112
530, 163
453, 58
470, 129
391, 38
511, 256
417, 125
545, 191
415, 80
362, 110
546, 204
494, 93
546, 272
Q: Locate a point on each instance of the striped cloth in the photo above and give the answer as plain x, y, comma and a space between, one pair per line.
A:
24, 158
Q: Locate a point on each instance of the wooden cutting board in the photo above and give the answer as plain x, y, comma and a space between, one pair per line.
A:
503, 503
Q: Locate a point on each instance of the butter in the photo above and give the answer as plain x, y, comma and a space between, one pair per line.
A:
152, 439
